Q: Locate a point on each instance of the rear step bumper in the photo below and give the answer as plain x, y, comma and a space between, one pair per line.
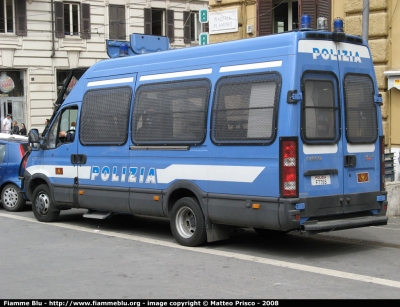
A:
322, 226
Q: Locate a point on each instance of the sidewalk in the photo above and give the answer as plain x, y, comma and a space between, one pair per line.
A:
393, 189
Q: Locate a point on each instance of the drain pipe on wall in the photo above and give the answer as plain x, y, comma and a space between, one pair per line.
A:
52, 29
365, 19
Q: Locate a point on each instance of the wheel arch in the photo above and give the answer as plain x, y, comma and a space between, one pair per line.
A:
35, 181
180, 189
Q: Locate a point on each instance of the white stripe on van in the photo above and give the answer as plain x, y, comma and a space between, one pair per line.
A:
110, 81
68, 171
225, 173
186, 73
319, 149
250, 66
351, 148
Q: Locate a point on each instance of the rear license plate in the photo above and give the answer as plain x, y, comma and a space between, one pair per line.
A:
321, 180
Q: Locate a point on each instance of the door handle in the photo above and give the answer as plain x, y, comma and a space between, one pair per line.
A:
82, 159
350, 161
78, 159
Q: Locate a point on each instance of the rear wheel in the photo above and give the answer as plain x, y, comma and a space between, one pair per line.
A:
188, 224
43, 205
12, 199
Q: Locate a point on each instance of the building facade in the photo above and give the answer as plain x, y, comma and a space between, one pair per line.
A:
384, 42
264, 17
40, 41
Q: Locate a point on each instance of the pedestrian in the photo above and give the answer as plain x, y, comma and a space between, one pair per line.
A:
73, 125
7, 124
46, 126
22, 131
15, 128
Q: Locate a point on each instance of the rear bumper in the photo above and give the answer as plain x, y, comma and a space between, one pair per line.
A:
340, 224
338, 212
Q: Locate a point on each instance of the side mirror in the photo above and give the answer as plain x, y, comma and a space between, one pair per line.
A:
33, 136
34, 139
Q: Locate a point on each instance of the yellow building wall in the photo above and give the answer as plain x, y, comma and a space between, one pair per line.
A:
394, 64
246, 16
384, 41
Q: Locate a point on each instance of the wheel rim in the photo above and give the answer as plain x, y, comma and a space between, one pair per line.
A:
10, 197
42, 203
185, 222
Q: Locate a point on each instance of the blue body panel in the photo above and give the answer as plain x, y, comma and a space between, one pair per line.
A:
124, 178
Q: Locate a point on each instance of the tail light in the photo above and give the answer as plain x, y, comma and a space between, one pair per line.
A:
382, 144
289, 177
22, 152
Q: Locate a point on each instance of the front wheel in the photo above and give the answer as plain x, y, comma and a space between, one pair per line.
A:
12, 199
43, 205
188, 224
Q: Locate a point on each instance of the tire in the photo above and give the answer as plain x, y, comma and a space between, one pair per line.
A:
188, 224
43, 205
12, 199
269, 233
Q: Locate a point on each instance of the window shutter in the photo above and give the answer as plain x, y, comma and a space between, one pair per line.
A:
147, 21
121, 22
170, 25
59, 16
187, 24
324, 10
2, 21
117, 22
265, 12
308, 7
85, 21
113, 13
20, 20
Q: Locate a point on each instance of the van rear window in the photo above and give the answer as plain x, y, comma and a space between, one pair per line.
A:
361, 114
320, 111
245, 109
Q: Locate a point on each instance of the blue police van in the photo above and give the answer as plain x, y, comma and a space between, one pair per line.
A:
277, 133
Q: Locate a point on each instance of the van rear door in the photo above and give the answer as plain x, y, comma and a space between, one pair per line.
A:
361, 126
339, 147
321, 166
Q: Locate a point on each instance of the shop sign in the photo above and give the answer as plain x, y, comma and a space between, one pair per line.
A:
6, 83
223, 21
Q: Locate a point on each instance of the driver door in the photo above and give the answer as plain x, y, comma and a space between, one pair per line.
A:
58, 155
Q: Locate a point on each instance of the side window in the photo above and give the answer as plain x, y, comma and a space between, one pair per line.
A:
171, 113
53, 134
191, 26
245, 109
2, 152
62, 123
13, 17
320, 112
158, 21
105, 116
72, 19
361, 114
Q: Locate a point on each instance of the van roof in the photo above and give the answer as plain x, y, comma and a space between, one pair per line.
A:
270, 46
